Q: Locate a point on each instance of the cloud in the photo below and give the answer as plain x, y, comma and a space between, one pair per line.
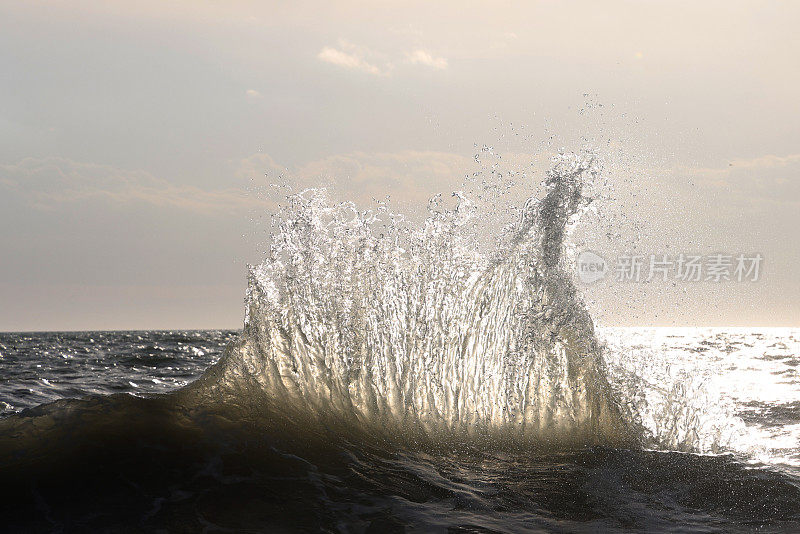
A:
769, 177
54, 183
409, 177
352, 59
768, 162
350, 56
49, 183
423, 57
406, 176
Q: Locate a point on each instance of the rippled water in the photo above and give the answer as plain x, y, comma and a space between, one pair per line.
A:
41, 367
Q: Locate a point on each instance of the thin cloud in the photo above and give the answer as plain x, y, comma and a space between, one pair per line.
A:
349, 60
350, 56
47, 183
423, 57
768, 177
409, 177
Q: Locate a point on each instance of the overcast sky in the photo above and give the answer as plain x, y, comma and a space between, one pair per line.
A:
133, 133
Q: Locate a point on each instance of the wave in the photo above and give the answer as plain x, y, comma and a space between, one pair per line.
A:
357, 320
362, 325
393, 374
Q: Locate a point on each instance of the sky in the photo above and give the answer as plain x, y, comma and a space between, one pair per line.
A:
138, 141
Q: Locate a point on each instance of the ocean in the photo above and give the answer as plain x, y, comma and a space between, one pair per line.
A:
392, 377
746, 379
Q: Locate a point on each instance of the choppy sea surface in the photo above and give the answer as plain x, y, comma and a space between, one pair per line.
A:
751, 486
36, 368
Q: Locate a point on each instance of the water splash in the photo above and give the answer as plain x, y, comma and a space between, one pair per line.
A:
357, 318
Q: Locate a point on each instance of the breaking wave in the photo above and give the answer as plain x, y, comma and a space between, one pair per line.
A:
358, 319
392, 375
362, 324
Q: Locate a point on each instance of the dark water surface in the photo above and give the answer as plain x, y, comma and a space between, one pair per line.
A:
125, 464
41, 367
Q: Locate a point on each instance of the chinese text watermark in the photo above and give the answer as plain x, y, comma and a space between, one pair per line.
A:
717, 268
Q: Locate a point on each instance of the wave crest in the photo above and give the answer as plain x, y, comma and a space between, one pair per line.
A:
358, 318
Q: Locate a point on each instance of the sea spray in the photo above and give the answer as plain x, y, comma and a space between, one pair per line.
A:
356, 320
